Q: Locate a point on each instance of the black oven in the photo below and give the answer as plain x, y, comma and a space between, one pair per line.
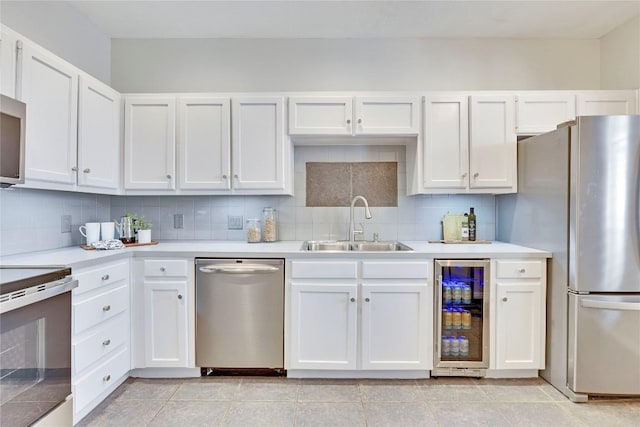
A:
35, 345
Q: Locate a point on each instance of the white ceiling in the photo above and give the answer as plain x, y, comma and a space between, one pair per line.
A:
357, 19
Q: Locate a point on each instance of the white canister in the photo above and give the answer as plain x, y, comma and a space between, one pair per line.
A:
107, 230
91, 231
144, 236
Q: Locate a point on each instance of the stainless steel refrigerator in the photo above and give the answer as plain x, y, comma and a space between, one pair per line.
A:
578, 197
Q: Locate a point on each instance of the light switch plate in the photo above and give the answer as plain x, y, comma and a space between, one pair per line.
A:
234, 222
178, 221
65, 224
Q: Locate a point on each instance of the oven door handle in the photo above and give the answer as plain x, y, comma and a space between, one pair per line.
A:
32, 298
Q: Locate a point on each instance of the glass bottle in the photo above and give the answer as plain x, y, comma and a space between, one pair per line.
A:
472, 225
270, 225
253, 230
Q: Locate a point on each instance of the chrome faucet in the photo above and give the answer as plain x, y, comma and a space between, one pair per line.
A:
367, 214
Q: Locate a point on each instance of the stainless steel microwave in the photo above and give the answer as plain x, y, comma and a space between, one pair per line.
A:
12, 134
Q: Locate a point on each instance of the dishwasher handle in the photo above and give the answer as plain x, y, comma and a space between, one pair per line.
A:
238, 268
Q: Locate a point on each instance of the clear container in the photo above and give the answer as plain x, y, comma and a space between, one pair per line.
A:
270, 225
455, 347
463, 345
446, 346
254, 231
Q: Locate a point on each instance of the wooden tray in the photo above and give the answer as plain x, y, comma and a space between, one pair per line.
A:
462, 242
126, 245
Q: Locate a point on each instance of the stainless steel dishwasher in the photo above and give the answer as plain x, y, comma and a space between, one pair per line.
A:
240, 313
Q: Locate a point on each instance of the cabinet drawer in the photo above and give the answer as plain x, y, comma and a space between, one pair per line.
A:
96, 310
395, 270
324, 269
166, 268
102, 276
107, 338
519, 269
95, 382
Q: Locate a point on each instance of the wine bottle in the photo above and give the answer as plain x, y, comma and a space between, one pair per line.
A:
472, 225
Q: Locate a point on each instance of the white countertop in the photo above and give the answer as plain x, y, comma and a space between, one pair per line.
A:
78, 257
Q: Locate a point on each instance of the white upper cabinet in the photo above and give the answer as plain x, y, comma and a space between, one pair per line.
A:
446, 142
204, 143
541, 112
50, 90
99, 163
330, 115
149, 143
492, 143
8, 55
259, 155
345, 115
605, 102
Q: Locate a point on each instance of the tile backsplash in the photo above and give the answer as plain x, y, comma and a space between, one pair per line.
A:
30, 220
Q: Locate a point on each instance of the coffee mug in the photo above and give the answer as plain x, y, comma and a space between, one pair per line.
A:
91, 231
107, 230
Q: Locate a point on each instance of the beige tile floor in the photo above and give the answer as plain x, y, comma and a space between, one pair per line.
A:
263, 401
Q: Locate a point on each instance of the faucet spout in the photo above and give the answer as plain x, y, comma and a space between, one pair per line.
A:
367, 214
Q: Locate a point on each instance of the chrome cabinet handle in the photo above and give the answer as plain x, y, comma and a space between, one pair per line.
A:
106, 308
464, 175
505, 299
235, 175
168, 176
163, 269
75, 169
348, 121
106, 342
475, 175
106, 378
179, 296
224, 176
522, 270
105, 277
87, 170
359, 121
353, 300
367, 299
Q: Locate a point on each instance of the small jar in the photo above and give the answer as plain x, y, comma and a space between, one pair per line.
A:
253, 230
269, 231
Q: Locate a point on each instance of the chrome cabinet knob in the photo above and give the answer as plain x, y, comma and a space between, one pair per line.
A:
179, 296
367, 299
505, 299
224, 176
522, 270
106, 378
105, 277
235, 175
106, 342
106, 308
87, 170
75, 169
464, 175
475, 175
359, 121
353, 300
163, 269
348, 121
168, 176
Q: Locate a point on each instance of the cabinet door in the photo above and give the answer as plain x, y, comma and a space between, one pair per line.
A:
540, 113
323, 326
258, 144
606, 102
204, 143
492, 143
165, 316
387, 115
519, 326
8, 54
394, 326
149, 143
331, 115
446, 142
98, 134
50, 90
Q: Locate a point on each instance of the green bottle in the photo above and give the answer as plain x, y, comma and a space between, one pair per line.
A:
472, 225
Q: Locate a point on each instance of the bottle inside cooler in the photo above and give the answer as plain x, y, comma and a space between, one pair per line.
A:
462, 296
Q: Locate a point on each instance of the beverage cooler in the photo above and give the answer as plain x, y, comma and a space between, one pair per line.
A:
461, 317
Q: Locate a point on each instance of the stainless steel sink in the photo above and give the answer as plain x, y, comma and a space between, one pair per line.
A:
379, 247
344, 246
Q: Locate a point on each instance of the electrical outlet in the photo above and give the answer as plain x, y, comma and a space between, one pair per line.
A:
178, 221
65, 224
234, 222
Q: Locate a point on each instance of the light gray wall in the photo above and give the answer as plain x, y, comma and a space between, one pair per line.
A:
64, 31
185, 65
620, 57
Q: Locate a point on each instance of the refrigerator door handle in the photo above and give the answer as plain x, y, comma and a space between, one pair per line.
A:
611, 305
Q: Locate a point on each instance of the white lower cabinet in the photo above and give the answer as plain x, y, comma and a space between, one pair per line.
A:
363, 320
101, 356
520, 289
163, 325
